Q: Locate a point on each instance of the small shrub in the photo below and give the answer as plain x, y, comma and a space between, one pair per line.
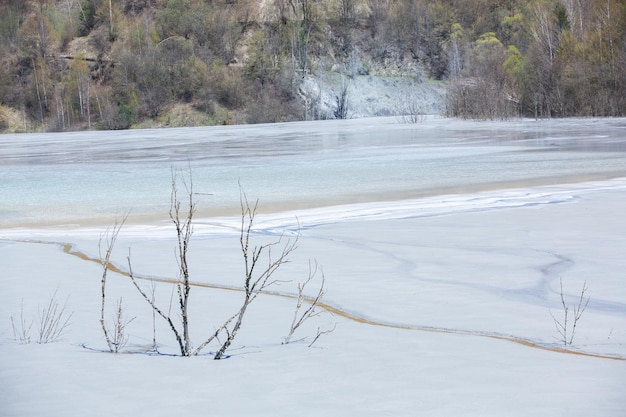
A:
53, 321
21, 327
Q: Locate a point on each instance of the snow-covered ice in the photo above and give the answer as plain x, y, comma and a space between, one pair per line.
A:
442, 246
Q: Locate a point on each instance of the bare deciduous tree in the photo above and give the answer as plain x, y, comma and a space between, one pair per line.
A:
105, 260
260, 264
257, 278
184, 231
565, 327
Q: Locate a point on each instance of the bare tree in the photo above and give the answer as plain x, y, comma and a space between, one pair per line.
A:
260, 264
565, 327
184, 231
545, 33
256, 280
106, 264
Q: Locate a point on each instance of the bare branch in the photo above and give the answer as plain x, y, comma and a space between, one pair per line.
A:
152, 300
167, 318
110, 243
579, 310
254, 283
215, 335
322, 333
311, 311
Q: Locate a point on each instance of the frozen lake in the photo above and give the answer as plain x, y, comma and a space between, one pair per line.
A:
87, 177
443, 246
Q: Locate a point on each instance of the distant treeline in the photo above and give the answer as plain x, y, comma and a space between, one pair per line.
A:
113, 64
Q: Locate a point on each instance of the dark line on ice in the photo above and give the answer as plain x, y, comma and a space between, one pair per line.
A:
70, 249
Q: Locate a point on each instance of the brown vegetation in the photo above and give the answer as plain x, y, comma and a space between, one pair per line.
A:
112, 64
545, 58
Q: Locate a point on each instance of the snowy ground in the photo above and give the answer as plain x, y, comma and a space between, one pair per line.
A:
441, 301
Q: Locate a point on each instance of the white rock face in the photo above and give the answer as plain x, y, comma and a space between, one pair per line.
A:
373, 95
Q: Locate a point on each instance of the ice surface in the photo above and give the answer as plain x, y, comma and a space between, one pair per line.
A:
440, 243
85, 177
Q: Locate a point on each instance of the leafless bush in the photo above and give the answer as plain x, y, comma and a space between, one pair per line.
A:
412, 111
120, 337
302, 315
257, 277
21, 327
53, 320
566, 327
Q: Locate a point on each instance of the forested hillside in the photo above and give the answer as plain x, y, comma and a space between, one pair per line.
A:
116, 64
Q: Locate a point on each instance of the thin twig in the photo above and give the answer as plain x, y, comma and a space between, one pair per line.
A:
310, 311
322, 333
